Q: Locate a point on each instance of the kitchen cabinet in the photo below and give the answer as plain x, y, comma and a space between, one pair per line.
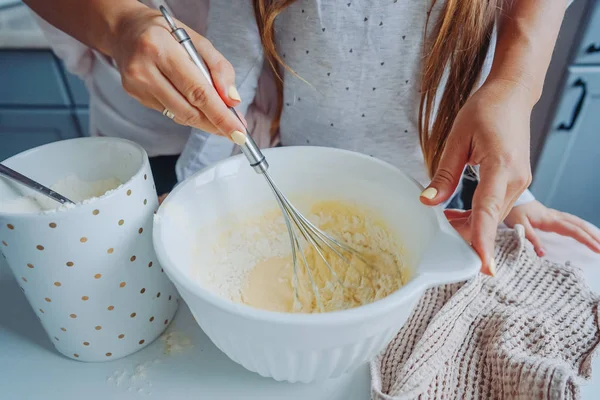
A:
83, 119
565, 175
588, 51
40, 102
22, 129
31, 79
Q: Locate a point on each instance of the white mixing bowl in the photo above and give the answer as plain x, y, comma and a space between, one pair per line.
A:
306, 347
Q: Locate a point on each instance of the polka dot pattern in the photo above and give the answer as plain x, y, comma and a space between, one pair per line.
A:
73, 268
313, 39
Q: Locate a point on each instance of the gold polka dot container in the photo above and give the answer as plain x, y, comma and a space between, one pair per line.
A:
89, 272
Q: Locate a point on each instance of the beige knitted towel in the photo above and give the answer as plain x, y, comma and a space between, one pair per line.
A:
528, 333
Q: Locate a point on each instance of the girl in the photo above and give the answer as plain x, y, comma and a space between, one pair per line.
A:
443, 84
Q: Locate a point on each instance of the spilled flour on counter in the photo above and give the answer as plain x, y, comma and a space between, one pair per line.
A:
251, 263
136, 378
175, 342
72, 187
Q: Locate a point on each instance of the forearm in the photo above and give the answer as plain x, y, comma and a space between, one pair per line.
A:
527, 33
92, 22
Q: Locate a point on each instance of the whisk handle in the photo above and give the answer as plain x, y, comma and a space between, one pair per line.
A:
249, 149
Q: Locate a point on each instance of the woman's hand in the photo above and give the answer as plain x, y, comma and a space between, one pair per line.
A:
534, 215
492, 131
157, 71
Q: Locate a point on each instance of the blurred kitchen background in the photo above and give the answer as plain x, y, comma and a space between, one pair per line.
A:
40, 102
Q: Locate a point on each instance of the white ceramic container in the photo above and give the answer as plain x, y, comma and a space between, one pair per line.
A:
306, 347
90, 272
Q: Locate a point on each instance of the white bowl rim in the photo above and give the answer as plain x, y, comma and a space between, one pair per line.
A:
417, 283
78, 205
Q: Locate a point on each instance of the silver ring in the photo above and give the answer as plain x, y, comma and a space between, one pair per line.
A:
168, 114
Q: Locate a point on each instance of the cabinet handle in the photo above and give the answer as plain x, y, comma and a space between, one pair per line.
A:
578, 83
593, 48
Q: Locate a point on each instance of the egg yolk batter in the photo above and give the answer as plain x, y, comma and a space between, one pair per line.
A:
330, 281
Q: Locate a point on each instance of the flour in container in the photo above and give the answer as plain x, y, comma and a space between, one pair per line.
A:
72, 187
251, 263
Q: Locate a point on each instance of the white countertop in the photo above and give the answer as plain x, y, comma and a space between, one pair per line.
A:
31, 369
18, 29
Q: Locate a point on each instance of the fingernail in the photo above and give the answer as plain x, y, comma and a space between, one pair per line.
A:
233, 93
238, 138
492, 266
429, 193
542, 252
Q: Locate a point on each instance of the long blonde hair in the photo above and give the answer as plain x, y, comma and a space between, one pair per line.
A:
458, 42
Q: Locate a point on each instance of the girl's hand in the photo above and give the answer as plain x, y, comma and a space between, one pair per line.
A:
158, 72
534, 215
162, 198
491, 130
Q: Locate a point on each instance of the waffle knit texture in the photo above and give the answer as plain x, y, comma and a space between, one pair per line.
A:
528, 333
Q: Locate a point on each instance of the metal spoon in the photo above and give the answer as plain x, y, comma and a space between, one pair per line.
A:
31, 184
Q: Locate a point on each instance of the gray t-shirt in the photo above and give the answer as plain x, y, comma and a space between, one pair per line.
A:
361, 60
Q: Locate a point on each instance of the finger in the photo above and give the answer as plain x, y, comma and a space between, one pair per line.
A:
191, 83
172, 100
221, 70
462, 226
509, 201
487, 211
566, 228
533, 237
162, 197
457, 214
588, 228
448, 174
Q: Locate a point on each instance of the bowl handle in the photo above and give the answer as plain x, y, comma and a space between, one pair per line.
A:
448, 258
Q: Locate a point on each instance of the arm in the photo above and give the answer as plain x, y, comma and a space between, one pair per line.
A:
492, 128
154, 68
92, 22
527, 34
236, 36
526, 37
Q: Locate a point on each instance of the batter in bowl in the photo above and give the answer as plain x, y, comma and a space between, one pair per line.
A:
267, 281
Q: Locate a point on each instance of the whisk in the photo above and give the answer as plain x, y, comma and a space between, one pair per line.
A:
321, 241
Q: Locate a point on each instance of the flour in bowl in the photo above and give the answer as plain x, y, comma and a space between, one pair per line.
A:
251, 263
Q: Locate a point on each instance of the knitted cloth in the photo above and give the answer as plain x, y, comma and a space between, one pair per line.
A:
528, 333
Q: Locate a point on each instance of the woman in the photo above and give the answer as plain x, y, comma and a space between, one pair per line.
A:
452, 81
